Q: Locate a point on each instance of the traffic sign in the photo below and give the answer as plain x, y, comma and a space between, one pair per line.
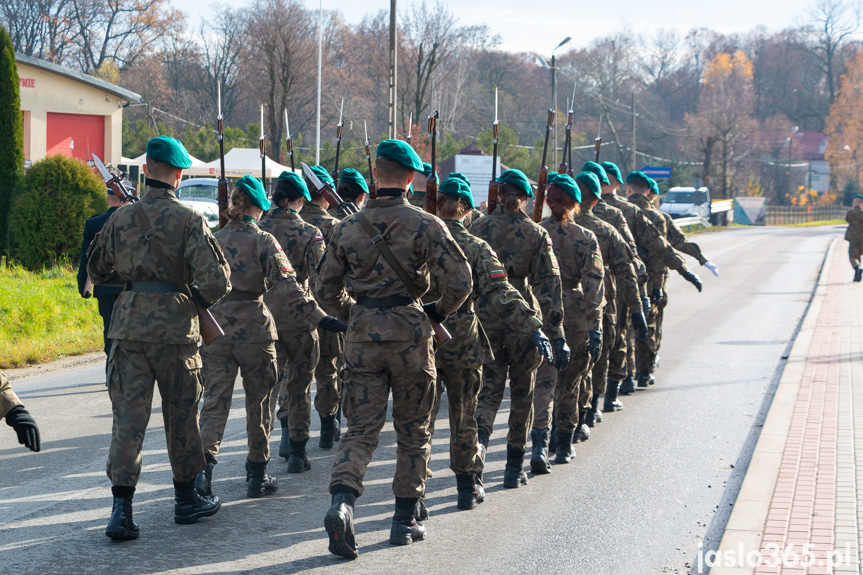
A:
657, 173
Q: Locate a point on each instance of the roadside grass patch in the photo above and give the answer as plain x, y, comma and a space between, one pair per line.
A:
42, 317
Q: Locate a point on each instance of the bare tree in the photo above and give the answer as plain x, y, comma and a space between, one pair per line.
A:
221, 49
830, 24
39, 28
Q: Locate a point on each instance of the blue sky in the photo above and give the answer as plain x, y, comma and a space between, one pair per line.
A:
525, 28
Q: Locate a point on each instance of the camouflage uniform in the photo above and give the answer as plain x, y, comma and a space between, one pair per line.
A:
418, 198
525, 249
298, 347
459, 362
389, 344
258, 264
619, 272
471, 217
8, 399
156, 330
854, 235
581, 276
328, 388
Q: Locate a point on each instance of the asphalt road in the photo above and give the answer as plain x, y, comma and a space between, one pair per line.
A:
653, 483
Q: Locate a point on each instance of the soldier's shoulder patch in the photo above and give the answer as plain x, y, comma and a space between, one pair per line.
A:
551, 260
319, 238
284, 262
494, 253
597, 261
549, 242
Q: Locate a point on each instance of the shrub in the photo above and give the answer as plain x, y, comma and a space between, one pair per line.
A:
47, 218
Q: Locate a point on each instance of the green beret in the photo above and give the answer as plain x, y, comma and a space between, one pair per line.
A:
296, 183
590, 180
400, 152
597, 170
427, 171
565, 183
255, 190
517, 179
352, 176
323, 175
654, 187
460, 176
458, 189
169, 151
640, 176
612, 169
858, 196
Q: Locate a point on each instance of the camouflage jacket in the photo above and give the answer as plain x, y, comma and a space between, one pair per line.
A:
418, 199
353, 265
473, 216
304, 247
614, 216
469, 346
617, 260
318, 217
120, 253
581, 272
854, 217
678, 240
8, 399
258, 265
525, 249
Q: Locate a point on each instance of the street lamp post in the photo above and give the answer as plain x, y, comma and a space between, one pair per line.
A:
847, 148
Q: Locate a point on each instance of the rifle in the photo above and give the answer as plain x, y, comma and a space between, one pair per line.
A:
597, 143
289, 141
569, 128
410, 129
565, 168
329, 193
263, 148
222, 195
431, 181
372, 189
209, 327
493, 186
539, 200
335, 173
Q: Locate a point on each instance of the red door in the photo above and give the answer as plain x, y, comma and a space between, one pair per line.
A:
76, 135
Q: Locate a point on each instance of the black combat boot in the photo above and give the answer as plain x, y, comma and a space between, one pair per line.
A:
514, 475
611, 403
189, 506
482, 439
564, 452
260, 483
858, 274
552, 437
339, 522
422, 511
405, 529
299, 460
121, 527
204, 479
285, 443
539, 458
470, 494
627, 386
582, 431
643, 379
329, 425
593, 416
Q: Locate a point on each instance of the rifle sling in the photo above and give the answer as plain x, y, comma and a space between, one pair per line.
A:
150, 235
381, 244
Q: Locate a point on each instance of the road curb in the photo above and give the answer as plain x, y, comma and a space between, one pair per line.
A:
745, 527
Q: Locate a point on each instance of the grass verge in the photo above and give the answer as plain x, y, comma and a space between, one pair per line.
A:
42, 317
816, 223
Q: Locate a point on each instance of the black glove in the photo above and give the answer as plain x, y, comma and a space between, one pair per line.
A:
645, 306
561, 354
330, 323
24, 425
196, 293
431, 311
639, 324
693, 278
656, 295
542, 343
594, 343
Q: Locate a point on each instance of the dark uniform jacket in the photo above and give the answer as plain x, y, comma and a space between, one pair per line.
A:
92, 227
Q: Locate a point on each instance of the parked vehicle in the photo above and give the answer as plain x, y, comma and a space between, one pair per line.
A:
201, 194
695, 203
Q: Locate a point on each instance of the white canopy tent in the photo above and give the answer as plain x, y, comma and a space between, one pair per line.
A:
239, 162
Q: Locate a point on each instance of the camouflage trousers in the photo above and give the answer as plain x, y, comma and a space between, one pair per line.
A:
646, 350
462, 390
257, 364
371, 371
619, 352
329, 388
560, 393
298, 353
134, 369
515, 353
599, 371
855, 250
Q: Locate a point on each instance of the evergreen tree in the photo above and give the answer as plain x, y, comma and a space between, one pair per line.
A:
11, 134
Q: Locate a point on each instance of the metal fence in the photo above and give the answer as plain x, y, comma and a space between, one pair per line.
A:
783, 215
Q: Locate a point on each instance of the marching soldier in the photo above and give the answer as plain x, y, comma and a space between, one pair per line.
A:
352, 188
525, 249
258, 265
581, 276
417, 195
474, 214
155, 331
854, 235
459, 364
389, 343
17, 417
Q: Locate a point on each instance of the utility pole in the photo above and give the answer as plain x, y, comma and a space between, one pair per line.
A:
320, 61
394, 67
634, 129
